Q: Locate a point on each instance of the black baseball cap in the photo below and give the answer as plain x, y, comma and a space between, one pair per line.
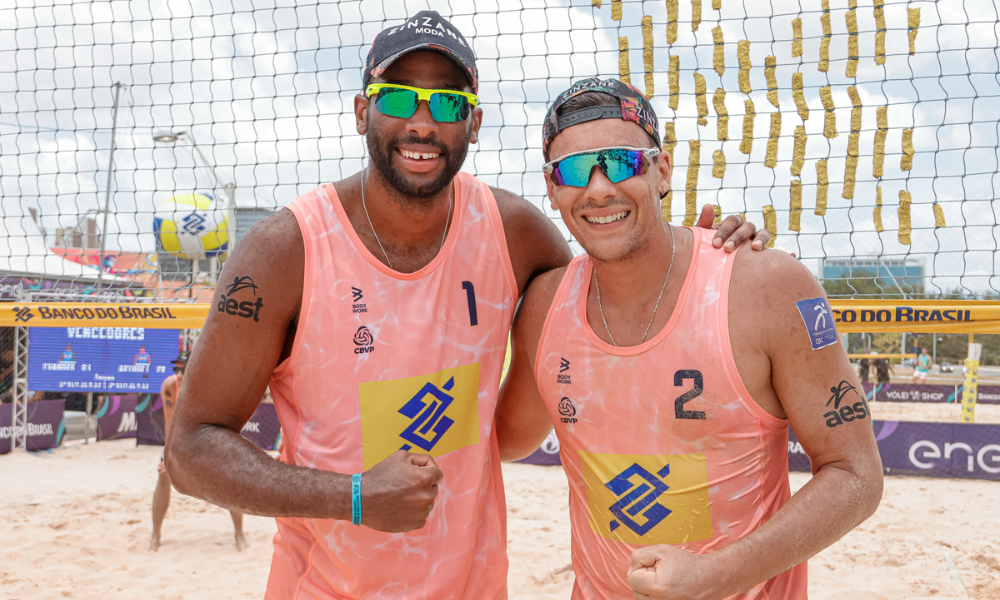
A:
633, 106
182, 359
426, 30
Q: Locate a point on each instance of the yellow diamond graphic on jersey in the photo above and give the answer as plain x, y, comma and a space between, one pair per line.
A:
644, 500
430, 414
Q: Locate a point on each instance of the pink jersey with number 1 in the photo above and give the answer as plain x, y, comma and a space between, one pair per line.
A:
384, 361
661, 442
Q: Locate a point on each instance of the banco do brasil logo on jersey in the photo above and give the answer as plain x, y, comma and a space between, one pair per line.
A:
364, 340
429, 414
628, 499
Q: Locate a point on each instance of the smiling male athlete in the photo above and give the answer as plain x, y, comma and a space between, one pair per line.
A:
382, 308
672, 371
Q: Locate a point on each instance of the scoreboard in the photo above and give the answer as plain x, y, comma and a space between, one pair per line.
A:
100, 359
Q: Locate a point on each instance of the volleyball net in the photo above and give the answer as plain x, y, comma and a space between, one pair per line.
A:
138, 142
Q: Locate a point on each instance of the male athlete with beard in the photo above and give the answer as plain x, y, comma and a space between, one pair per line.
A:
672, 371
381, 308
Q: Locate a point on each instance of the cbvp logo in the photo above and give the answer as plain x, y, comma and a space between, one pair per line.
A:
567, 411
22, 314
426, 409
638, 498
364, 339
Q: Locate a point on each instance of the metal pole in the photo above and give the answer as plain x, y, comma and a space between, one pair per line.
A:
230, 190
107, 193
86, 417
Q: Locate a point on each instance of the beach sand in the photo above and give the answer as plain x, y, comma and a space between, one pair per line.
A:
75, 523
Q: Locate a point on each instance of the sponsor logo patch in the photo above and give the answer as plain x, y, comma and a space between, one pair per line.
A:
431, 414
567, 411
364, 339
644, 500
818, 319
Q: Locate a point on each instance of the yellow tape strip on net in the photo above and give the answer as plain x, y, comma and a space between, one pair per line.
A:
795, 206
904, 217
746, 146
743, 54
770, 63
824, 42
647, 53
699, 97
799, 150
719, 102
719, 54
623, 69
878, 161
771, 224
674, 81
771, 159
877, 212
691, 194
822, 187
718, 164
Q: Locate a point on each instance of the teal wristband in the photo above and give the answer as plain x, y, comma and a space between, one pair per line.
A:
356, 498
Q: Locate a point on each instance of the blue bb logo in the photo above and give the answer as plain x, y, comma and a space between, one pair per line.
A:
639, 498
194, 223
427, 408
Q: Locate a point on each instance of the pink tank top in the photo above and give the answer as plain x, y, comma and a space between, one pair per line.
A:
661, 442
384, 361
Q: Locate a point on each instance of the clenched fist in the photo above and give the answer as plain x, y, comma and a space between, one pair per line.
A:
398, 493
667, 573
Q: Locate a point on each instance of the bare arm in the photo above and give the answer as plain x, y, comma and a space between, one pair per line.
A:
229, 370
819, 393
522, 420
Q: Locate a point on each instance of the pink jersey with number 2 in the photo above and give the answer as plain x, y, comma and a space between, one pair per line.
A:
384, 361
661, 442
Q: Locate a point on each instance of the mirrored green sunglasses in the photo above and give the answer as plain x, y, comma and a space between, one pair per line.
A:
618, 164
447, 106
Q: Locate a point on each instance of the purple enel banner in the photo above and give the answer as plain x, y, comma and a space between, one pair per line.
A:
116, 417
46, 425
262, 428
946, 450
908, 392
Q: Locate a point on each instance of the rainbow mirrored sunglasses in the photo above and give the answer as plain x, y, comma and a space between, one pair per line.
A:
447, 106
618, 164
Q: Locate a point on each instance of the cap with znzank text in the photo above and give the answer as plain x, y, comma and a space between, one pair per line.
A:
427, 30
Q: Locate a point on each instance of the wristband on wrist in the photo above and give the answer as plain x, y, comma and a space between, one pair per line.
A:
356, 498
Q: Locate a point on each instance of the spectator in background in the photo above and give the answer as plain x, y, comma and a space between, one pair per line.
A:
924, 364
863, 368
883, 370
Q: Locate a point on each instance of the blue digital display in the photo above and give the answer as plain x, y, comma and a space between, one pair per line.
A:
104, 359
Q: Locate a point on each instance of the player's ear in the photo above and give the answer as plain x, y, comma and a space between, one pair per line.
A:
361, 114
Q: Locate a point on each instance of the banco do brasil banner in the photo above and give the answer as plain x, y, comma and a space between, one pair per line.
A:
100, 359
916, 316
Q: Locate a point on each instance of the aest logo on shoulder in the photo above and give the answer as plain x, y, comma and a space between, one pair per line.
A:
247, 309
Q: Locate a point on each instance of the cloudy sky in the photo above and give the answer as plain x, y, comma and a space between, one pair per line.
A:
266, 89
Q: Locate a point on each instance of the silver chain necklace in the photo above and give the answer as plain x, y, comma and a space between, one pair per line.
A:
673, 252
447, 222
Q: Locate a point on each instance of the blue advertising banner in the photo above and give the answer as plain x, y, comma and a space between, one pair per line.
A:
46, 425
100, 359
116, 416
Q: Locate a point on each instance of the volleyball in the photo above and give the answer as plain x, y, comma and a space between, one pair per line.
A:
190, 226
